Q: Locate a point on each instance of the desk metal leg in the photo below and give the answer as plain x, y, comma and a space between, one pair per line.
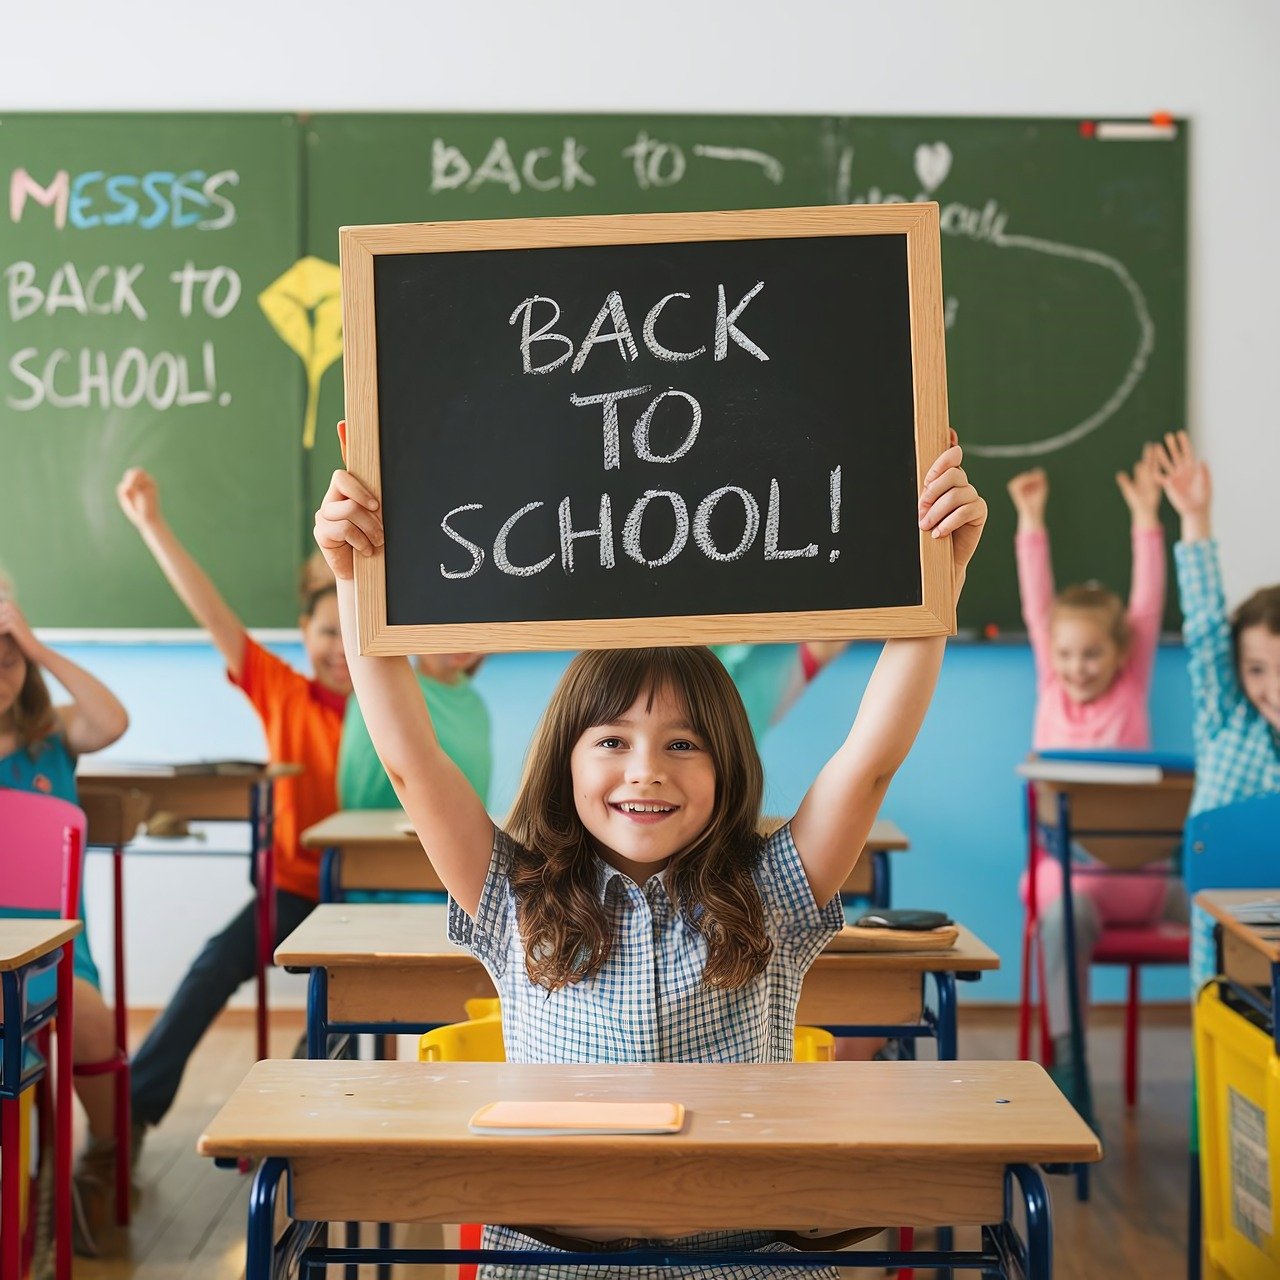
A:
1195, 1229
260, 1244
948, 1034
1035, 1254
318, 1013
881, 888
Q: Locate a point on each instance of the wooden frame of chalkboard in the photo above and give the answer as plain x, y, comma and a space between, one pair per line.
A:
470, 342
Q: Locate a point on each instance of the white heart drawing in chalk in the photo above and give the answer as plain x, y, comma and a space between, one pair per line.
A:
932, 165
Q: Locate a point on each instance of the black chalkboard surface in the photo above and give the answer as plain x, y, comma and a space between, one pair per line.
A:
670, 428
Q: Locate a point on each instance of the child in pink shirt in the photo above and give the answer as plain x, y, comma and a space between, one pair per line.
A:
1093, 659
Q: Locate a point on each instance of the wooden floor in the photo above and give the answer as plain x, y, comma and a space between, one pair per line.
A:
189, 1220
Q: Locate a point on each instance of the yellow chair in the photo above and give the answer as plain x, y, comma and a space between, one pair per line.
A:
479, 1039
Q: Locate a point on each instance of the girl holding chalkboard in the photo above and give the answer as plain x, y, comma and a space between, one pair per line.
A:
1094, 657
632, 850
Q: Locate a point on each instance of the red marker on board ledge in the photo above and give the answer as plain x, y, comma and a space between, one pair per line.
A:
1161, 127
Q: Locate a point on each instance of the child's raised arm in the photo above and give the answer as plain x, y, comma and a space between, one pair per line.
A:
450, 819
1029, 491
95, 717
1141, 493
139, 498
835, 817
1206, 628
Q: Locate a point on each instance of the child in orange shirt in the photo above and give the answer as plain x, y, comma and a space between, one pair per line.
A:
302, 720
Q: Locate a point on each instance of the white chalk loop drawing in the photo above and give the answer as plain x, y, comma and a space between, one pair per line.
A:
932, 163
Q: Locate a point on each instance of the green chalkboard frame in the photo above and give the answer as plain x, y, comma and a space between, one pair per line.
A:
916, 223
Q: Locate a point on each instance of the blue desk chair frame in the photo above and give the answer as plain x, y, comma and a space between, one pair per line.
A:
1057, 835
18, 1070
1236, 846
301, 1250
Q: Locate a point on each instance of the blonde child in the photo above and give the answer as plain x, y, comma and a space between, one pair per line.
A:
302, 721
1233, 660
631, 852
1093, 659
39, 746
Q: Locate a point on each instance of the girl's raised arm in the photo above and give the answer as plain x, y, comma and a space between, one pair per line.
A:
835, 817
139, 498
95, 717
1030, 493
450, 819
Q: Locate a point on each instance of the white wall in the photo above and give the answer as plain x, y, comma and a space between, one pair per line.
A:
1214, 63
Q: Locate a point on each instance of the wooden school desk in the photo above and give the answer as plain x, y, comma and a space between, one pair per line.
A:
384, 968
786, 1146
115, 795
29, 946
1248, 955
376, 849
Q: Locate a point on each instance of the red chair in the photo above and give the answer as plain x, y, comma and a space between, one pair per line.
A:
43, 857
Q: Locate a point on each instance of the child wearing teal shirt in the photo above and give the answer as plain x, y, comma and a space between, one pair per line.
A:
462, 723
39, 744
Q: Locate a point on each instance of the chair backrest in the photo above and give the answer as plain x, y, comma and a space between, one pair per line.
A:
1234, 847
41, 852
813, 1044
477, 1040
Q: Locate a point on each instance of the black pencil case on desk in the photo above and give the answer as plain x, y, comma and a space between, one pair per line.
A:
903, 918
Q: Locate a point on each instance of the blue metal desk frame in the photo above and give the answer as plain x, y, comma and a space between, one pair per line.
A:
17, 1074
300, 1251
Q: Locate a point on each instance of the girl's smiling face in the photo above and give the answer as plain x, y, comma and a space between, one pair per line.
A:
1258, 652
1086, 659
644, 785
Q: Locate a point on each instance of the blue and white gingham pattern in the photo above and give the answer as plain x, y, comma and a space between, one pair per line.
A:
648, 1003
1237, 751
762, 1242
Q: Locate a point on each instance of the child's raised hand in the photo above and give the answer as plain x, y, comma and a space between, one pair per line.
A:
139, 497
951, 507
347, 522
1186, 483
16, 627
1141, 491
1030, 493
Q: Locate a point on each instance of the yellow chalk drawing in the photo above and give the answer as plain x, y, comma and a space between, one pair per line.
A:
305, 307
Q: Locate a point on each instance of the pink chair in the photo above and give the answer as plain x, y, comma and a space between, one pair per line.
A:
43, 856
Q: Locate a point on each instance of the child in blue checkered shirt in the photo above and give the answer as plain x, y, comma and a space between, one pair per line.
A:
1234, 660
631, 911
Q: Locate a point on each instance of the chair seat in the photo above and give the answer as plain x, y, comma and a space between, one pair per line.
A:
1144, 944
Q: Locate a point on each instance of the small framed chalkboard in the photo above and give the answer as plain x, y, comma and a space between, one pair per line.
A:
601, 432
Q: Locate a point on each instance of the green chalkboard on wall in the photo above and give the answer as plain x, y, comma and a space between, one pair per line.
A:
1064, 265
171, 300
135, 248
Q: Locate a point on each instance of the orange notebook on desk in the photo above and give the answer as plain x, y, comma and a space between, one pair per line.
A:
537, 1118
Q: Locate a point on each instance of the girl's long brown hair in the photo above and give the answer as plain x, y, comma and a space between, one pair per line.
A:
34, 718
562, 921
